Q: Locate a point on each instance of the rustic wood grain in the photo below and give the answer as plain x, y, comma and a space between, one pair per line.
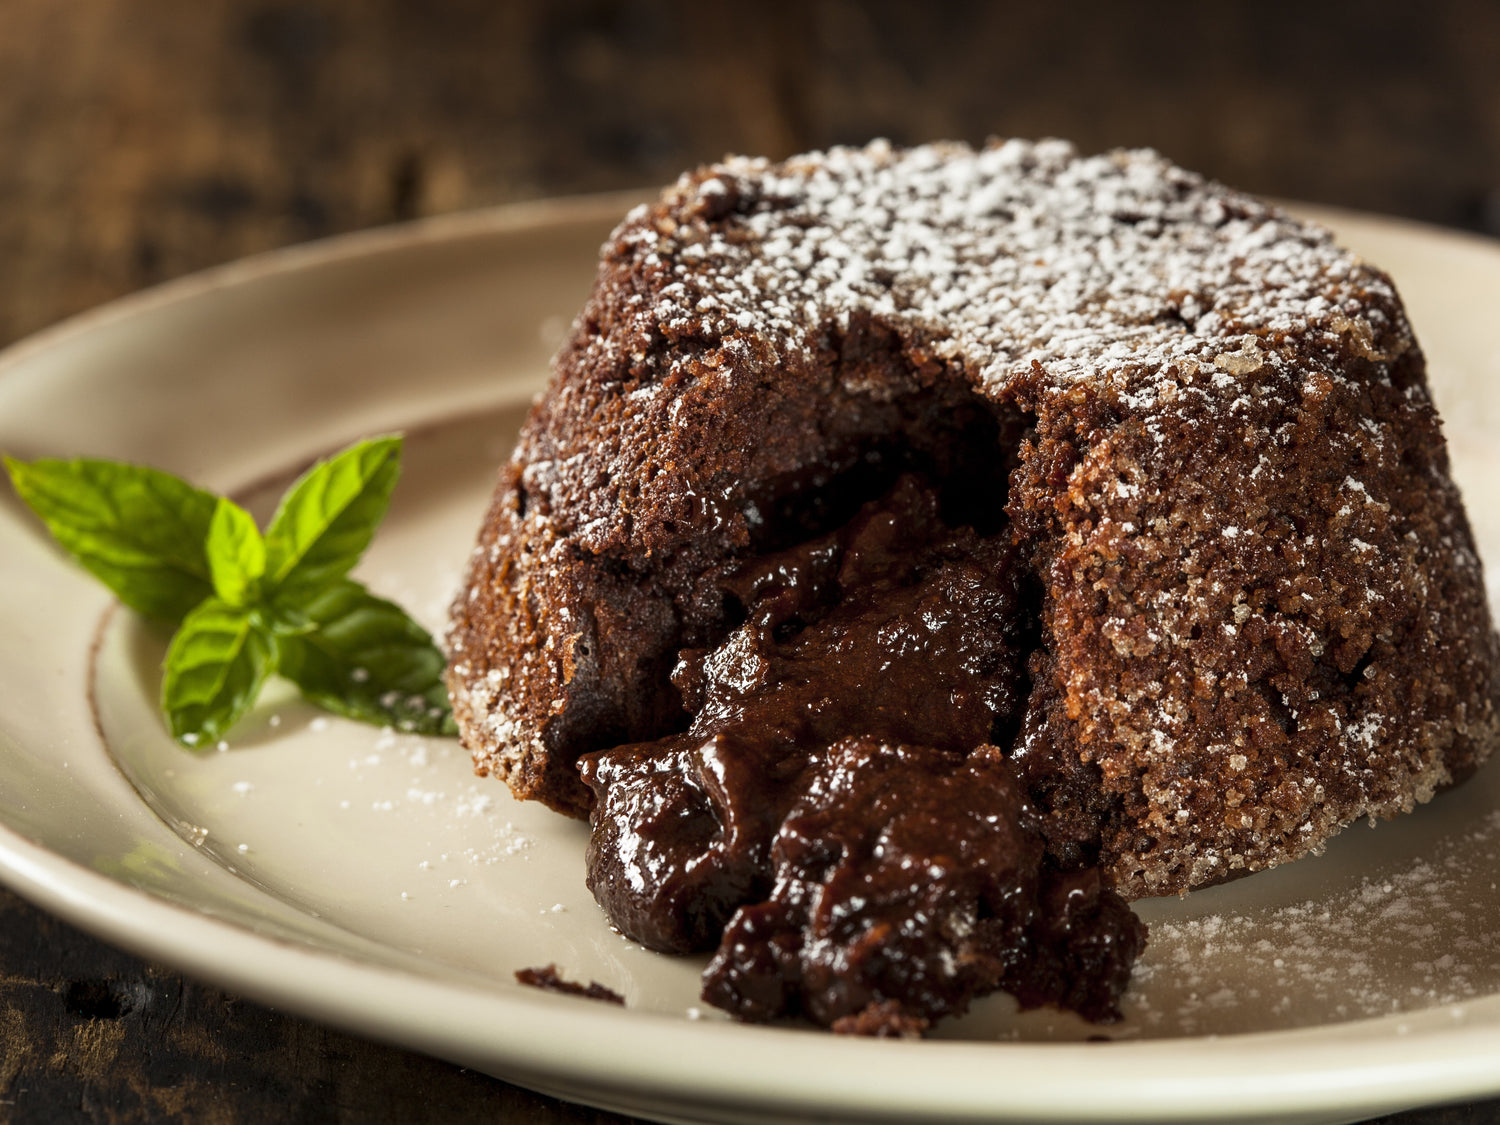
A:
143, 141
88, 1033
140, 141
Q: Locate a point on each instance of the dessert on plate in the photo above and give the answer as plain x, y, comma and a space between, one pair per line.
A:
920, 552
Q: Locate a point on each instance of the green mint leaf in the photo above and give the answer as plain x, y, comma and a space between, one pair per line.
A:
249, 605
286, 620
327, 519
368, 660
139, 531
236, 554
215, 667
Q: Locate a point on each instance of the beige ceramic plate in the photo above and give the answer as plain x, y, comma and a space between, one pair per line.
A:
370, 880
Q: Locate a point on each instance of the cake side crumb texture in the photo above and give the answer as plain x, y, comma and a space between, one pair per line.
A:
1261, 611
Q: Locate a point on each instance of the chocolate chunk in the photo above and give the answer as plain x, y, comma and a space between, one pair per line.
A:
548, 979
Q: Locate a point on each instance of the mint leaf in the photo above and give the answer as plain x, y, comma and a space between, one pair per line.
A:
215, 667
247, 605
328, 517
368, 660
139, 531
286, 620
236, 554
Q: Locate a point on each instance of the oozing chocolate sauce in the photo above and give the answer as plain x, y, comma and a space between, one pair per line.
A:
838, 801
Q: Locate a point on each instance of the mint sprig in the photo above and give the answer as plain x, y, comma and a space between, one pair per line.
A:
246, 605
364, 658
141, 532
327, 519
215, 667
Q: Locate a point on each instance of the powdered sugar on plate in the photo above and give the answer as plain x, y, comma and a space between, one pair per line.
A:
1418, 934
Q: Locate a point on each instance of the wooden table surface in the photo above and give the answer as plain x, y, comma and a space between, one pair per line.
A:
140, 141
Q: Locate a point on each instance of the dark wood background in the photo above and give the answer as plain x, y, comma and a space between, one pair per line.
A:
140, 140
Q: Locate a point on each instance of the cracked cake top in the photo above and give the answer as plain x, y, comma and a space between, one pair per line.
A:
1115, 265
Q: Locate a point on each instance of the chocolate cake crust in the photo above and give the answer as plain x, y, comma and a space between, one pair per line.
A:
1261, 615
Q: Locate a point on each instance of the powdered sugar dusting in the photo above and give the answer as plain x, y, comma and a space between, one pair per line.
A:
1416, 935
1120, 264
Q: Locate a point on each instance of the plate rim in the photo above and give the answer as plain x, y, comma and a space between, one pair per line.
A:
1433, 1065
1420, 1064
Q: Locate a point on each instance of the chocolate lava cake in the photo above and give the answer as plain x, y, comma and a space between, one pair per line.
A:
920, 552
